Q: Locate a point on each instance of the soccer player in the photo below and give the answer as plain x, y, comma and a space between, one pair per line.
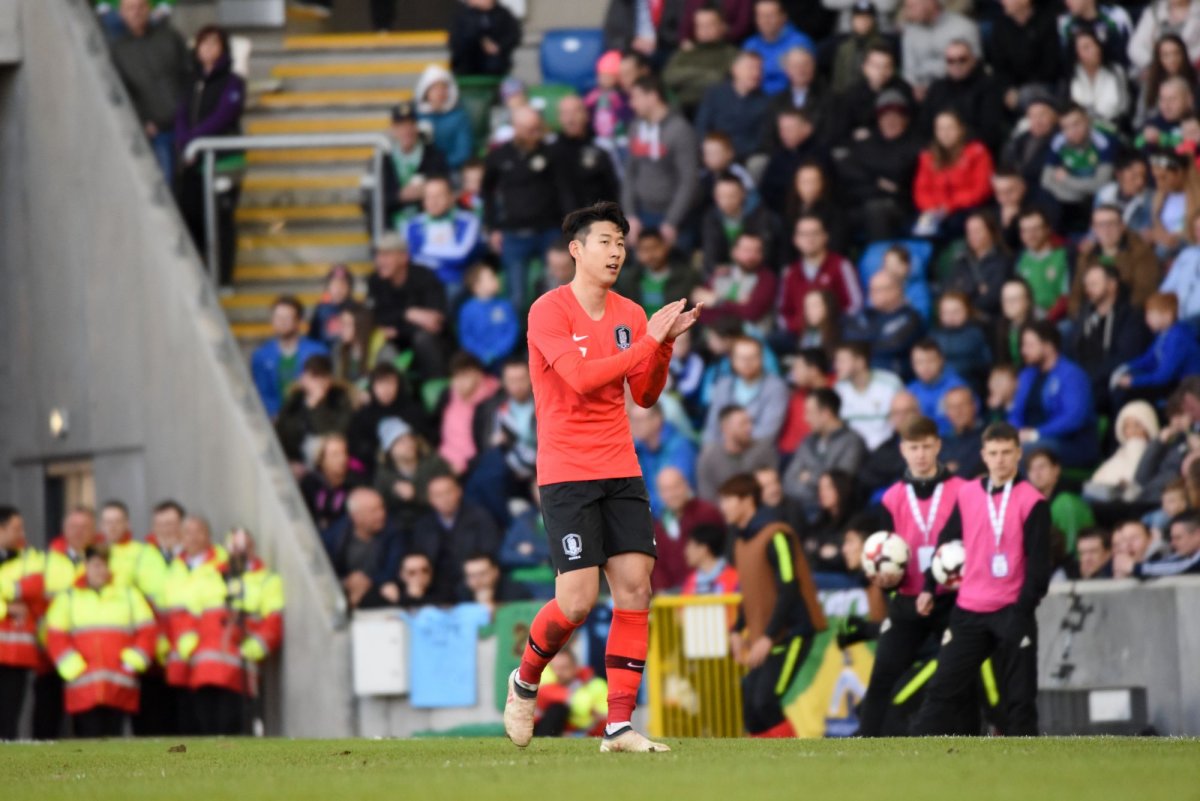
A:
918, 508
780, 612
1005, 528
585, 343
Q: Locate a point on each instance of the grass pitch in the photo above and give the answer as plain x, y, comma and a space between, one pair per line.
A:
573, 770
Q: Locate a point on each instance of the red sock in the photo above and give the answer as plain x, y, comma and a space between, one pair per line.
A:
548, 633
784, 729
625, 659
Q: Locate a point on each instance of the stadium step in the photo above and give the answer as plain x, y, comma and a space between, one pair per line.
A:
366, 123
335, 98
283, 215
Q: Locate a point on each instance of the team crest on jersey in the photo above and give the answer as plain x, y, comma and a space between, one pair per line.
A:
624, 337
572, 546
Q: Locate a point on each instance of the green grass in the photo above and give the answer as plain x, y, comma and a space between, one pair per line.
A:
571, 770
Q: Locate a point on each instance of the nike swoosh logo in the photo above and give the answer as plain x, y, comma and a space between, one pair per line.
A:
578, 338
636, 665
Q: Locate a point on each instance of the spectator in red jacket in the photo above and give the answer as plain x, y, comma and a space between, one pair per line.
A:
682, 513
816, 268
953, 177
745, 290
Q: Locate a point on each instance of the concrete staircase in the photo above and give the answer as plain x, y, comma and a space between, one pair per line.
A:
299, 210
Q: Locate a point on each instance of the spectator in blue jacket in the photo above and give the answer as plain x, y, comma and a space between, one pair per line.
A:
659, 445
325, 324
277, 362
1053, 407
738, 107
439, 111
363, 546
775, 37
442, 237
1174, 354
762, 394
934, 378
487, 324
890, 324
961, 340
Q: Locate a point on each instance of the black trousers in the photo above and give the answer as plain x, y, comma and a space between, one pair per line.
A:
100, 721
191, 206
904, 638
1012, 637
764, 686
217, 711
14, 682
158, 711
47, 706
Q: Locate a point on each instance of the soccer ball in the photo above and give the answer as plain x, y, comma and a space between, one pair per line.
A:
885, 555
948, 562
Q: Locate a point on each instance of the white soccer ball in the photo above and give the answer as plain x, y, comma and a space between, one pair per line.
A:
948, 563
885, 557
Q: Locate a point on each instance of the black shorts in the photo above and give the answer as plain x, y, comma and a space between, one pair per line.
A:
589, 521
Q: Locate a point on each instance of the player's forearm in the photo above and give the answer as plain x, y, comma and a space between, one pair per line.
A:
647, 381
588, 376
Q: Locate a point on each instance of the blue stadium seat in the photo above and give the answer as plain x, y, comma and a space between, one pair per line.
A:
569, 56
917, 288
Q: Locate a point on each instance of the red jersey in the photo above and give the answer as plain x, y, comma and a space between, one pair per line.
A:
579, 366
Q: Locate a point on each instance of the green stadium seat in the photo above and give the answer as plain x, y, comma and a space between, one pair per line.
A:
431, 392
478, 93
545, 99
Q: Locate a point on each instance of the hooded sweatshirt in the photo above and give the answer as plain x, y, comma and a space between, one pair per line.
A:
449, 129
662, 176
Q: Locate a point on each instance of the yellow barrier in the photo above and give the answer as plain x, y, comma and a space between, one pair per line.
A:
694, 684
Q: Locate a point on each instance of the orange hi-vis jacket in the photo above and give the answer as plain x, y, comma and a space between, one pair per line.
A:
179, 609
100, 640
28, 582
240, 622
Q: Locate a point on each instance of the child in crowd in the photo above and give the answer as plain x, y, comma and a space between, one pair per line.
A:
1174, 502
337, 298
487, 324
607, 104
470, 196
1173, 355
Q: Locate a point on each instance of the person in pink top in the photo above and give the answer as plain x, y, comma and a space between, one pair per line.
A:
1005, 529
469, 387
918, 508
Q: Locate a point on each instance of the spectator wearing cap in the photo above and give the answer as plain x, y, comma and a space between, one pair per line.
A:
1112, 243
1080, 162
804, 91
692, 70
763, 395
406, 166
856, 106
409, 304
453, 529
1110, 24
524, 198
852, 51
408, 464
1106, 332
483, 36
970, 90
278, 361
774, 37
1023, 49
1098, 85
736, 16
1173, 355
316, 406
387, 397
152, 61
337, 297
738, 107
443, 237
649, 28
953, 177
661, 177
589, 174
879, 168
928, 30
729, 217
439, 111
1054, 407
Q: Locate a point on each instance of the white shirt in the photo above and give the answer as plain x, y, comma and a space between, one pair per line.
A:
867, 412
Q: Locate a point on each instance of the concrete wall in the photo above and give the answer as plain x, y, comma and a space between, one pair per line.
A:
1142, 635
106, 313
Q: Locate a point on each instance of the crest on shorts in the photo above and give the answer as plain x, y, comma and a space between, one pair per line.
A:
572, 546
624, 337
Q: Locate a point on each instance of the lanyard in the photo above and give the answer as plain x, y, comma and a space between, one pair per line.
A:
926, 526
997, 518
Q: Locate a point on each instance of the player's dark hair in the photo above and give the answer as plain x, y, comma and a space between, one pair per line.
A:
859, 349
743, 485
1001, 432
816, 359
710, 536
99, 551
1044, 330
7, 513
115, 504
170, 505
919, 429
578, 224
827, 399
729, 178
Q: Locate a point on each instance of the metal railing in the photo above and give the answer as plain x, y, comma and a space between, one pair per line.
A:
208, 147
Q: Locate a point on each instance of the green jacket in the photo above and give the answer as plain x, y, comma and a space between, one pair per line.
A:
1070, 514
689, 73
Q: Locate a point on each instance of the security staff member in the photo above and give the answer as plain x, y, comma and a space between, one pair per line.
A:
1005, 529
780, 612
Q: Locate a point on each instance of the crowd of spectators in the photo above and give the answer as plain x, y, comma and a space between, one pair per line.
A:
968, 214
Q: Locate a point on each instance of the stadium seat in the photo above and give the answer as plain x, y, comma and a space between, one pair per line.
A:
478, 94
545, 99
569, 56
917, 288
431, 393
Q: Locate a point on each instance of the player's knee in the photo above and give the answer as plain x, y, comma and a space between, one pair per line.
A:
634, 597
576, 606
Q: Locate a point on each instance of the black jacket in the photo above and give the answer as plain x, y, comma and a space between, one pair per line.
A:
363, 434
620, 24
681, 280
978, 99
874, 159
962, 452
1101, 344
716, 245
1027, 154
587, 171
296, 421
968, 274
469, 27
856, 108
473, 531
523, 190
1023, 54
433, 162
779, 176
389, 303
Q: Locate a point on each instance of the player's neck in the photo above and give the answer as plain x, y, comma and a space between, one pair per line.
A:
928, 475
999, 480
592, 297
